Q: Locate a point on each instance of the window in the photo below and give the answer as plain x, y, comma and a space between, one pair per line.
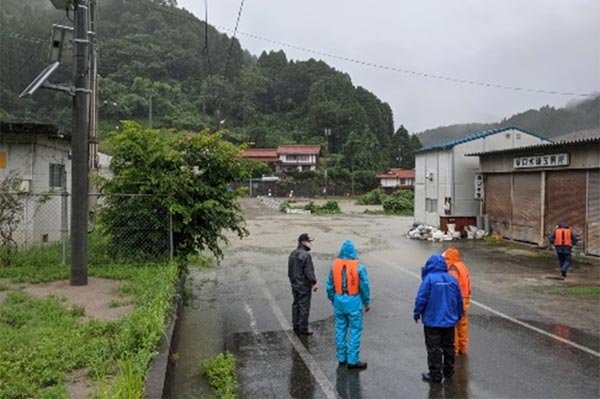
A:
431, 205
2, 160
57, 175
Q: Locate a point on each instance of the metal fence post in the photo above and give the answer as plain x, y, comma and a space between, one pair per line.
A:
171, 249
64, 220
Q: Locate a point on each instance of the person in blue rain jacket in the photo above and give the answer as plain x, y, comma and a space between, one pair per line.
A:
348, 290
439, 305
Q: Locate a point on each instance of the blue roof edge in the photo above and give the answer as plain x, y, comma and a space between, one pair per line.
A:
476, 135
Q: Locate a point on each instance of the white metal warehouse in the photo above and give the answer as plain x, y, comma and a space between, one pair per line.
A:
445, 176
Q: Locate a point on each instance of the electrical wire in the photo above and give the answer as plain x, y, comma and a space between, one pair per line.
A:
237, 23
407, 71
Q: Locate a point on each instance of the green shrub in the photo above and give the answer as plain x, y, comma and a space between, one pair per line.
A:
329, 208
401, 202
283, 207
373, 197
220, 373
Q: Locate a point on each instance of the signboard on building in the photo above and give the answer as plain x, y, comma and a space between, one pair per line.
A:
541, 161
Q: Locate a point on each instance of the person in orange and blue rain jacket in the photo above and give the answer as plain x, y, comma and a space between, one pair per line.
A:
348, 290
459, 270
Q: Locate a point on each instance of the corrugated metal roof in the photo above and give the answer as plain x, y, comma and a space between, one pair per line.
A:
474, 136
590, 140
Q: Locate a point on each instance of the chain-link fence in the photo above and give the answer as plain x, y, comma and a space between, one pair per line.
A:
121, 228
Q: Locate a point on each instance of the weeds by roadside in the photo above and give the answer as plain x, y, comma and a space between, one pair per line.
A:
42, 339
578, 291
220, 371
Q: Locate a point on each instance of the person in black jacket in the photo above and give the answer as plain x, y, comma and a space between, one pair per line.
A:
301, 273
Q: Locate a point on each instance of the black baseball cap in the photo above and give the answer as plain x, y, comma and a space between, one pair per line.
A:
305, 237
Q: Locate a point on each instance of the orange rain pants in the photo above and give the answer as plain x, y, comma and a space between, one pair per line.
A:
461, 331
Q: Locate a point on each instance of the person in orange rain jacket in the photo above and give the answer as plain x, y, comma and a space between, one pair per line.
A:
460, 271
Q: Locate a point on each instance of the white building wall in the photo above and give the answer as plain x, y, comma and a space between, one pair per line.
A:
436, 165
42, 220
420, 188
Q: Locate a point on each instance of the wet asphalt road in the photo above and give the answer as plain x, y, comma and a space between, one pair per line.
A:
244, 307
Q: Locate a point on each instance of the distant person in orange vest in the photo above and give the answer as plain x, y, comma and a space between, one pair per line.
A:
349, 292
460, 271
563, 240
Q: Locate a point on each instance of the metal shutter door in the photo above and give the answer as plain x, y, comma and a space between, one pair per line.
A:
526, 209
593, 235
497, 202
566, 200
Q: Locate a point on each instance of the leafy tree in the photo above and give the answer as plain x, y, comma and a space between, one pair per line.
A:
184, 174
405, 146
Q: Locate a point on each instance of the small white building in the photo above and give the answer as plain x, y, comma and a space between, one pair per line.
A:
39, 155
445, 179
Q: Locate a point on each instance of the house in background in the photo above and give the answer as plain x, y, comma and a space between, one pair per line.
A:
445, 178
397, 178
298, 157
287, 158
265, 155
39, 155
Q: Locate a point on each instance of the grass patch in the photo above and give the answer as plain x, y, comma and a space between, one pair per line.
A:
579, 291
221, 375
386, 213
42, 339
200, 261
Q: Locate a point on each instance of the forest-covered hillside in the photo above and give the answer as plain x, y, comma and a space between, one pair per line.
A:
547, 121
198, 79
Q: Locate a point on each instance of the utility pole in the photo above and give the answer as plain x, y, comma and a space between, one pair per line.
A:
327, 134
79, 143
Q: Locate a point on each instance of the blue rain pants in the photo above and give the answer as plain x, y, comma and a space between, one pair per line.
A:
348, 313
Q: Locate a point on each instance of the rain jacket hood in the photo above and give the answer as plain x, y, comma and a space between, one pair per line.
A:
452, 255
563, 225
435, 264
439, 302
348, 250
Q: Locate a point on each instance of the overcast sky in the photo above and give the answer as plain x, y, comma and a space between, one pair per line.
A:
540, 44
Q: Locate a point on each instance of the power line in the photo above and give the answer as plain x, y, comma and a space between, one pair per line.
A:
237, 22
408, 71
